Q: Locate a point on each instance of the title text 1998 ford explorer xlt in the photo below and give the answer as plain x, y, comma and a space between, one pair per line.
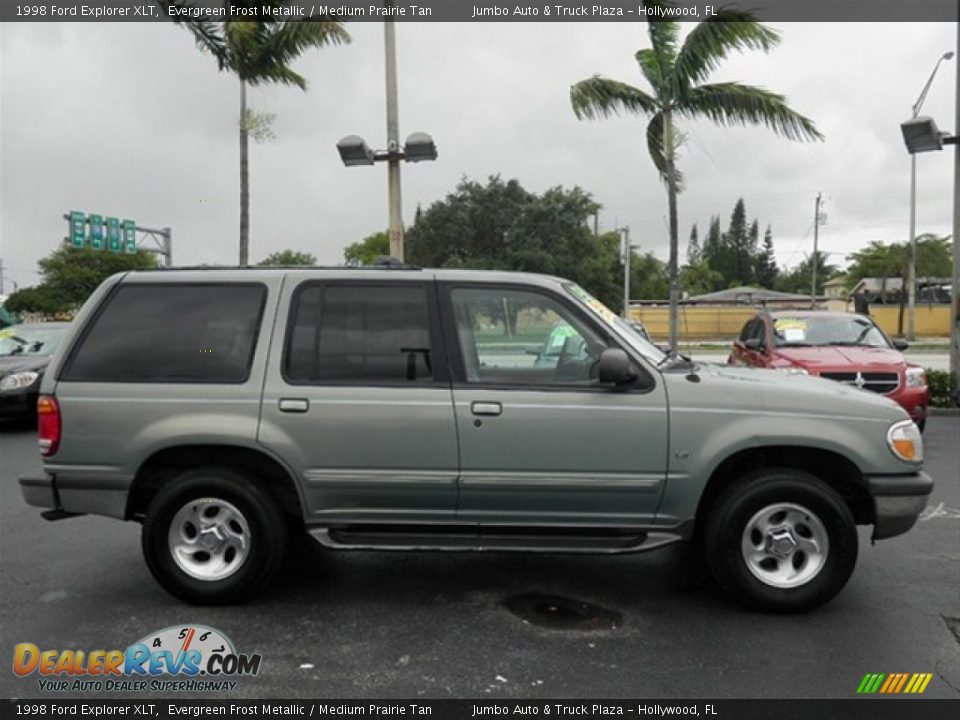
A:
399, 408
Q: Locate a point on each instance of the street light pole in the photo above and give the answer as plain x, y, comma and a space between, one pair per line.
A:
393, 142
955, 289
912, 247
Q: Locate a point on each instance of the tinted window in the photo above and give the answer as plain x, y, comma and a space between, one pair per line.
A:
366, 333
171, 333
516, 337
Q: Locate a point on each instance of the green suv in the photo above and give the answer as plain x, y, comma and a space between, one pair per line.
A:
401, 409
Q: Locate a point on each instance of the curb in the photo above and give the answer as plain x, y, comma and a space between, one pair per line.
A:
943, 411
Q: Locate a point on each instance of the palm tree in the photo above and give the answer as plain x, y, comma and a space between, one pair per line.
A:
257, 53
676, 73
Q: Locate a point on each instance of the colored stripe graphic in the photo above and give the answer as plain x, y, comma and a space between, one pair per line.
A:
894, 683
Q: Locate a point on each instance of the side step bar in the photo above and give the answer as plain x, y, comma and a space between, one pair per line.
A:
472, 538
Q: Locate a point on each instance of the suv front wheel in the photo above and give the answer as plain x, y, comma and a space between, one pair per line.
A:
212, 535
781, 539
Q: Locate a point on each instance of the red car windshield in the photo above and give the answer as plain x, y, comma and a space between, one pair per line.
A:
808, 330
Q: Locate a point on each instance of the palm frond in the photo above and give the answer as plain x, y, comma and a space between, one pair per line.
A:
655, 144
206, 34
288, 40
280, 74
600, 97
715, 38
664, 36
650, 68
737, 104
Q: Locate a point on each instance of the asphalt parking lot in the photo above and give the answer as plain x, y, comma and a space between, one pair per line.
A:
383, 625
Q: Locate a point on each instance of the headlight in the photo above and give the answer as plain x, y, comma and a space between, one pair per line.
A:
905, 441
18, 380
916, 377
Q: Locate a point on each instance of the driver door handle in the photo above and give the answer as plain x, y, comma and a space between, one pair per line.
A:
486, 408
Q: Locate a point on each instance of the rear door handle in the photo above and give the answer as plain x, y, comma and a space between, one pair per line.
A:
486, 408
294, 405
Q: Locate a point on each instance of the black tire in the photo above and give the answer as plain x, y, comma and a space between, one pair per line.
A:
921, 424
266, 535
760, 491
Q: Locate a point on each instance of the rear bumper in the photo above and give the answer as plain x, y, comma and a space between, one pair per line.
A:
39, 490
898, 501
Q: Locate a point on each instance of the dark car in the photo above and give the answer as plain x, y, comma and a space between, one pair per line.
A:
25, 352
846, 347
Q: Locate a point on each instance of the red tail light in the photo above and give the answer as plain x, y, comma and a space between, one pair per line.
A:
48, 416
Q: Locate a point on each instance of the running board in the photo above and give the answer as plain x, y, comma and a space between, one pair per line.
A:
515, 539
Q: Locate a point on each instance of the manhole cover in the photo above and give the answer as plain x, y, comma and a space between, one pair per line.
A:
560, 613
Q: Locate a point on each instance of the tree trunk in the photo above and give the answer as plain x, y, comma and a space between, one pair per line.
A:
244, 179
674, 232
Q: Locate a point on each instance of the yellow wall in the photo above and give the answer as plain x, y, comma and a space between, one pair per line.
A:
706, 322
930, 321
696, 323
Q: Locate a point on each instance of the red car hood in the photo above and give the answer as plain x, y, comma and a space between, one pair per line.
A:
838, 356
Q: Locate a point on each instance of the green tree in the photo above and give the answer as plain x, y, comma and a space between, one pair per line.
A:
501, 226
765, 268
934, 259
369, 249
700, 278
257, 52
69, 275
800, 279
289, 257
676, 73
694, 251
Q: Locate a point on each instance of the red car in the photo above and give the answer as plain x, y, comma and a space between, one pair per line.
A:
839, 346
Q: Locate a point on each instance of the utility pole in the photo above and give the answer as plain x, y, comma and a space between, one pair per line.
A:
955, 290
625, 234
816, 235
393, 140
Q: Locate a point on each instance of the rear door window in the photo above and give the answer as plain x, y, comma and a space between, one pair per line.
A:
360, 333
176, 333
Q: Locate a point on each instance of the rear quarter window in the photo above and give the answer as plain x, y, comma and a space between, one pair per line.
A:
177, 333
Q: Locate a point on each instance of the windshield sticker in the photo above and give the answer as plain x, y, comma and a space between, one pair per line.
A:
602, 310
790, 328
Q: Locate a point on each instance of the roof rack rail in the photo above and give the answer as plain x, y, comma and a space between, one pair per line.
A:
391, 263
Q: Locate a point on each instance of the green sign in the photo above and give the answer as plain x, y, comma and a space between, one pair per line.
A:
96, 232
78, 228
113, 235
129, 237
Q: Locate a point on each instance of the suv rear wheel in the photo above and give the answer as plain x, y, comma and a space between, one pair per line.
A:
781, 539
212, 535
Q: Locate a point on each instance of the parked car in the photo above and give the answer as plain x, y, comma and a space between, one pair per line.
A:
377, 409
845, 347
25, 352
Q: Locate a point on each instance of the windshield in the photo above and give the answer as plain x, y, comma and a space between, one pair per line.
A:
827, 330
622, 328
30, 340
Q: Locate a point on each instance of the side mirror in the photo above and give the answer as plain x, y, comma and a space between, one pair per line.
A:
614, 367
900, 345
753, 344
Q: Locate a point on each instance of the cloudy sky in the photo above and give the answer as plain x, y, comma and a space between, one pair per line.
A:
131, 120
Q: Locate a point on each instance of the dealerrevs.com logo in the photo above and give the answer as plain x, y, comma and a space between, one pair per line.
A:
187, 658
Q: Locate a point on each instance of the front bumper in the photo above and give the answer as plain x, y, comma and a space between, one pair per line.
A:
898, 501
18, 403
915, 400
